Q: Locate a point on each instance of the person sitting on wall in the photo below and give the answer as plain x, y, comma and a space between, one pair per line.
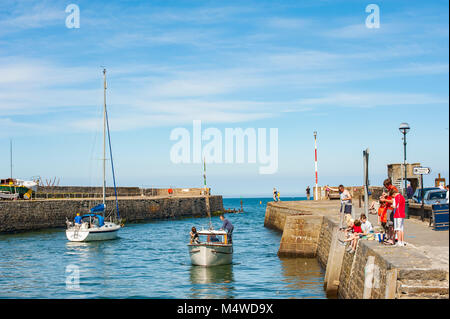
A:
374, 207
350, 223
353, 237
366, 227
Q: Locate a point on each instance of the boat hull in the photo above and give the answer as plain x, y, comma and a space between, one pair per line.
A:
210, 254
14, 189
107, 232
7, 195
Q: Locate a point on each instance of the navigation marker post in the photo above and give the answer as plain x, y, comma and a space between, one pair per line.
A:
316, 197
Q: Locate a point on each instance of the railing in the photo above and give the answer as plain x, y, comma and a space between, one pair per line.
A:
78, 195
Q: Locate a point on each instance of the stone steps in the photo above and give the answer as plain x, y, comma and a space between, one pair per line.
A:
421, 289
422, 274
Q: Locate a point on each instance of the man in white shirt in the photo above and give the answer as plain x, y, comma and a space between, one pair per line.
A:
346, 203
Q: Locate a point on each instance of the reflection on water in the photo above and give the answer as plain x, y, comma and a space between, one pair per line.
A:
212, 282
303, 273
151, 260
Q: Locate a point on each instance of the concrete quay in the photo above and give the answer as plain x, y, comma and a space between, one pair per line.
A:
374, 271
36, 214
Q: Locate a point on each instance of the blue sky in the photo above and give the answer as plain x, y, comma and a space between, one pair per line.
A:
298, 66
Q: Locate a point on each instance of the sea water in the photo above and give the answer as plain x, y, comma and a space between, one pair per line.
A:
151, 260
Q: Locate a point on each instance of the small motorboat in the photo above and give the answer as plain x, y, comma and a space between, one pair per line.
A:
212, 248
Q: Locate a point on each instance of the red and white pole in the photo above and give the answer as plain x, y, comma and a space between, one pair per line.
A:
315, 165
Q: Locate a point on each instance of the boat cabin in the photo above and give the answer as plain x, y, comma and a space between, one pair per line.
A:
93, 220
211, 237
7, 181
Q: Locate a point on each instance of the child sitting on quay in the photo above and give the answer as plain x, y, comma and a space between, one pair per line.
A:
353, 233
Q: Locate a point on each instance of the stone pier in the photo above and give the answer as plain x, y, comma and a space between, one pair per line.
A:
374, 271
29, 215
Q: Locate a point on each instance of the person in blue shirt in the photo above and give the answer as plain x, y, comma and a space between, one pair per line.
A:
227, 225
78, 219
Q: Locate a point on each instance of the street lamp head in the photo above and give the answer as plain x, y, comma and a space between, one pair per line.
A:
404, 128
315, 133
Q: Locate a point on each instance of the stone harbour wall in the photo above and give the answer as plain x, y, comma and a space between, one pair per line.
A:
20, 216
85, 191
373, 271
300, 236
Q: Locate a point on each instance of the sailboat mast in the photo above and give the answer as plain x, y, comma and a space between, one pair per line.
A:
10, 156
204, 174
104, 136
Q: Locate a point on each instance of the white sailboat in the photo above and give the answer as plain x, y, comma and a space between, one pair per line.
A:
92, 226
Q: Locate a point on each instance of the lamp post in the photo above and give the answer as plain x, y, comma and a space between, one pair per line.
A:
404, 129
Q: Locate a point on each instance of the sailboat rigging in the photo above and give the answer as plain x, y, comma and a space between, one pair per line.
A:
92, 226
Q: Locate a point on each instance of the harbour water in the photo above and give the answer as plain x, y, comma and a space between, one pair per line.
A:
151, 260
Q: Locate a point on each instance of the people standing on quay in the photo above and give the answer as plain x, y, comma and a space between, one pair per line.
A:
387, 200
275, 195
388, 185
308, 193
398, 203
346, 203
409, 191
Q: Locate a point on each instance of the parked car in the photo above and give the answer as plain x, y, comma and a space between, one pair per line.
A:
435, 197
432, 195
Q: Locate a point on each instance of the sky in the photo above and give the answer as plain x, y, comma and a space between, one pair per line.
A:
296, 66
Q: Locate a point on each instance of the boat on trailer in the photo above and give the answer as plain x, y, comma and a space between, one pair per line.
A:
213, 248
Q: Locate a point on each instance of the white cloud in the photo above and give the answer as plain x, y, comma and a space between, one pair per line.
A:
369, 100
32, 16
